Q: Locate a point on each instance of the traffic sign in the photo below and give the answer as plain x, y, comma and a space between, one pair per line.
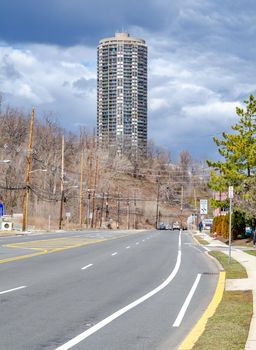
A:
230, 192
203, 206
1, 209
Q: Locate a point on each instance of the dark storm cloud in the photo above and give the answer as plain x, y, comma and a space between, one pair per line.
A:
221, 24
66, 22
83, 84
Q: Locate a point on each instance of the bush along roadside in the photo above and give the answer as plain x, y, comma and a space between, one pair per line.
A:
221, 225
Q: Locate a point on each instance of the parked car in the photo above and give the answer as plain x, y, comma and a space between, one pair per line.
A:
176, 226
162, 226
248, 232
207, 224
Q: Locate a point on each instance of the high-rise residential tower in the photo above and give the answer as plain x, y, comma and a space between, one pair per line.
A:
122, 95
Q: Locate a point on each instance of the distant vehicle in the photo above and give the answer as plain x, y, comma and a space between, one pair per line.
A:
248, 232
207, 224
176, 226
168, 227
162, 226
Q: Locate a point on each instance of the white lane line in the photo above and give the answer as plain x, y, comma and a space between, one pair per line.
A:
86, 267
207, 249
137, 243
183, 310
114, 253
12, 290
143, 240
128, 247
122, 311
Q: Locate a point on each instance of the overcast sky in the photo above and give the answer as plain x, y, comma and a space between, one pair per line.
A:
201, 61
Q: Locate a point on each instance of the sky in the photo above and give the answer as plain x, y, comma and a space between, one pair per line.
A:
201, 62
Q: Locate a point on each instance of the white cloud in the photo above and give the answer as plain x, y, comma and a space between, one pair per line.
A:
45, 77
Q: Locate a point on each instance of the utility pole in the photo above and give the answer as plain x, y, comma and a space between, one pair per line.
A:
94, 189
128, 213
118, 211
157, 204
181, 199
107, 207
89, 192
135, 211
81, 187
25, 206
196, 214
62, 183
101, 208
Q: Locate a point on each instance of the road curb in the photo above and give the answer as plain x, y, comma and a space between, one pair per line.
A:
197, 330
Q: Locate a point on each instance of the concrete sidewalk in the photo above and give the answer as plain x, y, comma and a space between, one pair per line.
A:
249, 263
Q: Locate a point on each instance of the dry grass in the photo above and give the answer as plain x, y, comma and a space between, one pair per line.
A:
228, 328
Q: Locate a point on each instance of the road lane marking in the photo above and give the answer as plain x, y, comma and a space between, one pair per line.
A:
143, 240
86, 267
114, 253
41, 248
128, 247
125, 309
190, 340
137, 243
12, 290
183, 310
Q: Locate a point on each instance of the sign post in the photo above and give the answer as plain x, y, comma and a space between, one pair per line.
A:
230, 196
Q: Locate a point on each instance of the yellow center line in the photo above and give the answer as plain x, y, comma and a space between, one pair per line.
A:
48, 246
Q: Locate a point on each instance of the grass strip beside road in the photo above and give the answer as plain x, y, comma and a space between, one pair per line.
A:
251, 252
201, 240
234, 269
228, 328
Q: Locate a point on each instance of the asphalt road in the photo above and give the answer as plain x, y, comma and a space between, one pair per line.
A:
124, 293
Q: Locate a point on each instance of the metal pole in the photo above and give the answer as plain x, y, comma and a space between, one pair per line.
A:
230, 226
49, 223
24, 219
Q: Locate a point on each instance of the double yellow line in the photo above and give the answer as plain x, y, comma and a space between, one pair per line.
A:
46, 247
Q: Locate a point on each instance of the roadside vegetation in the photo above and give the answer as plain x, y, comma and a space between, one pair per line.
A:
201, 240
119, 190
228, 328
237, 168
251, 252
233, 269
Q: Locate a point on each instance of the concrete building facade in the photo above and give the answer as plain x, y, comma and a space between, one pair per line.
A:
122, 95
